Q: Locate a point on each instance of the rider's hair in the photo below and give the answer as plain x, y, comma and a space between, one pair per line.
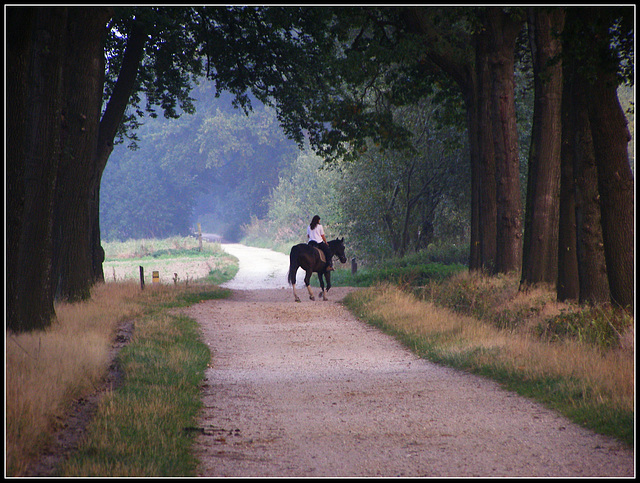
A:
314, 222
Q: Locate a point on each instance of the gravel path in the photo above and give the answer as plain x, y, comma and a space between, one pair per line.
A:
306, 390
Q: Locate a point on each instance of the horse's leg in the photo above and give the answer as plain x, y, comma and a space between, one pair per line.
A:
307, 281
295, 295
292, 281
321, 279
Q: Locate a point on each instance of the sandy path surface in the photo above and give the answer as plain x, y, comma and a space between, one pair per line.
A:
306, 390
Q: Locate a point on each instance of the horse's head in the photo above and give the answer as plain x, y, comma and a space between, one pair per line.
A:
337, 247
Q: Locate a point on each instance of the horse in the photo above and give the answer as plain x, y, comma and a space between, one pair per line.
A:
308, 258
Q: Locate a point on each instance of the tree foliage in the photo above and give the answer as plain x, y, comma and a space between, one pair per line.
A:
386, 202
395, 203
215, 167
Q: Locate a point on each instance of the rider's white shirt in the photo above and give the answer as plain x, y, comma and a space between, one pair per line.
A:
316, 233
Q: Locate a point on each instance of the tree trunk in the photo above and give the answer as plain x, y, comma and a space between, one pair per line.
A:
503, 31
83, 96
32, 301
615, 185
568, 282
540, 248
487, 209
473, 77
598, 65
582, 272
594, 287
567, 285
19, 40
475, 252
111, 120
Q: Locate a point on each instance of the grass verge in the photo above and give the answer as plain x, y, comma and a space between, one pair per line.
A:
591, 385
144, 428
47, 371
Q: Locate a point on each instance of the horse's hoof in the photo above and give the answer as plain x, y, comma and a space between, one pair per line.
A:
298, 300
312, 298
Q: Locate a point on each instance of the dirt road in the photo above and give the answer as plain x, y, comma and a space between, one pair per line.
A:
306, 390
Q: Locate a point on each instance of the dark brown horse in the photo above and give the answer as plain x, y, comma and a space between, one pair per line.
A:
308, 258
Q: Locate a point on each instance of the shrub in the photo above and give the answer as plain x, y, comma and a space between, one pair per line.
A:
598, 325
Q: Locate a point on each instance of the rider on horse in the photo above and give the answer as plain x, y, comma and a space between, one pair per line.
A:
315, 234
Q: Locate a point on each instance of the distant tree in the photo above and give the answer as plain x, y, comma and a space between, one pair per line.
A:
141, 200
304, 190
217, 164
392, 200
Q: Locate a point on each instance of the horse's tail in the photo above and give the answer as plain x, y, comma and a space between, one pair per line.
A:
293, 266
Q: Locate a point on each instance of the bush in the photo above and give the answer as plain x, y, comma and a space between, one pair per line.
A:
600, 326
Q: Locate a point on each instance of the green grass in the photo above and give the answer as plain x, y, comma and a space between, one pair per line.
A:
142, 428
173, 247
125, 258
415, 270
407, 275
145, 427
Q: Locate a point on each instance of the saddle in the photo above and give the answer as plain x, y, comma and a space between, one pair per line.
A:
321, 253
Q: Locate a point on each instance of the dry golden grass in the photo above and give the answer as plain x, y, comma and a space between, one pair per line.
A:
47, 370
607, 374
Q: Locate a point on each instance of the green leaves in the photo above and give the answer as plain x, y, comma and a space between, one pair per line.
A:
224, 159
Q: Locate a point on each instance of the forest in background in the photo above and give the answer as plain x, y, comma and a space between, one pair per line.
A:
215, 167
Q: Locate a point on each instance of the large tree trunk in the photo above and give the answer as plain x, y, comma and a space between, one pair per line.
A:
568, 282
475, 252
471, 76
38, 140
19, 37
610, 142
594, 286
604, 214
540, 248
90, 142
486, 81
503, 31
615, 185
83, 96
581, 265
487, 209
567, 285
19, 40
